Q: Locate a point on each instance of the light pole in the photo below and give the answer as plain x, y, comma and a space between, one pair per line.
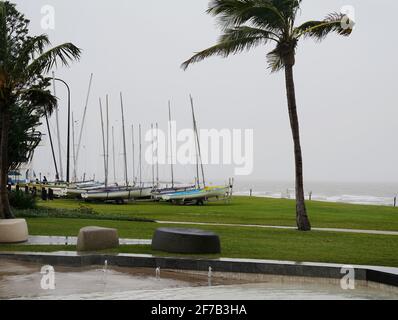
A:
68, 138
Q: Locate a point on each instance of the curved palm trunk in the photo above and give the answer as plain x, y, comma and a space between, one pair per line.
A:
5, 209
303, 222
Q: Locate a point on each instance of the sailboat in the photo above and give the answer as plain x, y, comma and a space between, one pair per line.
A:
75, 190
115, 192
198, 195
159, 191
143, 192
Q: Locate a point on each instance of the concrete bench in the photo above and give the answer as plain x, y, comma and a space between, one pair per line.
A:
97, 238
180, 240
13, 231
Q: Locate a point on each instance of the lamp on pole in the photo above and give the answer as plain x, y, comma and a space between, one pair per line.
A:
68, 138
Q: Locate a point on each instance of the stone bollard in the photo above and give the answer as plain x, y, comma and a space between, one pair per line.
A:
17, 187
97, 238
26, 189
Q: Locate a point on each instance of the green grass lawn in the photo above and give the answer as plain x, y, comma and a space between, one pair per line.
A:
237, 242
246, 210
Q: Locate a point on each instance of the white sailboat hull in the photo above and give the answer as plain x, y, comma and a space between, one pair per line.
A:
197, 194
77, 190
126, 194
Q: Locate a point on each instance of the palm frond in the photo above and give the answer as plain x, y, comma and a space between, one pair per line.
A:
243, 32
32, 47
287, 8
260, 13
24, 137
275, 60
232, 42
66, 53
41, 100
282, 55
35, 45
320, 29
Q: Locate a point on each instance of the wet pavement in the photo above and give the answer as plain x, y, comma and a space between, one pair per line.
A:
22, 280
63, 240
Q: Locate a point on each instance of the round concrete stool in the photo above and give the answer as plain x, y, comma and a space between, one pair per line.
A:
179, 240
13, 231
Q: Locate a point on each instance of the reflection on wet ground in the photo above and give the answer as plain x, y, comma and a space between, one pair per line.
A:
64, 240
20, 280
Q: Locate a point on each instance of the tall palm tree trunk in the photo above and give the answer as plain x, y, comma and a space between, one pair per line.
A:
5, 209
302, 220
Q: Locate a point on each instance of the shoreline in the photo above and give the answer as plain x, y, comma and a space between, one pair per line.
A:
346, 199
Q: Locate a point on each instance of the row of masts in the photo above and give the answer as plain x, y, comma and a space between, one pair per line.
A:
105, 144
198, 152
75, 151
154, 164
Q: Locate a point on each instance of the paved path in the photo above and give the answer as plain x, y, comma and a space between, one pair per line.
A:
62, 240
381, 232
57, 240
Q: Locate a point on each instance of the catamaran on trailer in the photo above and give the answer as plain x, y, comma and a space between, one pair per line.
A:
200, 193
198, 196
119, 194
116, 193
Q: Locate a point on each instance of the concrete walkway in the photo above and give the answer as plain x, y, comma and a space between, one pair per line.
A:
379, 232
61, 240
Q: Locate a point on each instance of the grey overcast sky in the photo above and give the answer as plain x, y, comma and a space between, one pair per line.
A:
346, 87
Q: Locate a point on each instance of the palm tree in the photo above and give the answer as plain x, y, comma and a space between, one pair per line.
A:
250, 23
24, 63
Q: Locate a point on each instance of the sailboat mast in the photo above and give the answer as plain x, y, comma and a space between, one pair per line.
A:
107, 138
84, 119
52, 146
140, 156
157, 154
197, 141
126, 178
58, 134
74, 149
113, 153
197, 179
153, 150
133, 147
103, 142
171, 147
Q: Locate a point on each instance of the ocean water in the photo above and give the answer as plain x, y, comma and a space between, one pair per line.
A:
345, 192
